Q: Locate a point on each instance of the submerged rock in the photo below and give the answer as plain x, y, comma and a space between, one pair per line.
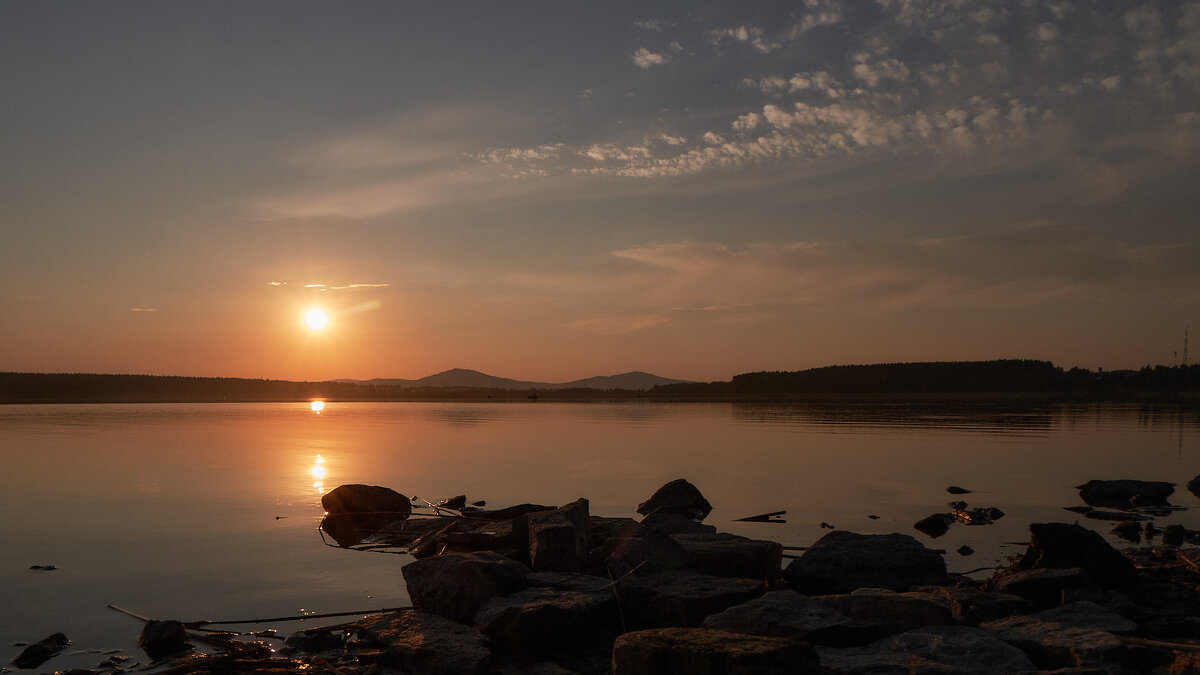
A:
934, 525
41, 651
162, 639
1125, 493
703, 651
677, 496
354, 511
842, 561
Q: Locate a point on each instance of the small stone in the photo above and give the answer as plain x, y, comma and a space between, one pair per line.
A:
41, 651
955, 490
965, 550
161, 639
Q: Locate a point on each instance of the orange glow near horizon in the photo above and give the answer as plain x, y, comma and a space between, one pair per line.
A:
316, 319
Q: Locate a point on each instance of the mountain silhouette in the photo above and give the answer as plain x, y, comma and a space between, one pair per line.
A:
462, 377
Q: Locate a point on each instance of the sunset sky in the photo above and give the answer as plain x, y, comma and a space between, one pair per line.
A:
555, 190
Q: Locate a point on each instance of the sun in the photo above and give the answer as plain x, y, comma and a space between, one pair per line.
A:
316, 319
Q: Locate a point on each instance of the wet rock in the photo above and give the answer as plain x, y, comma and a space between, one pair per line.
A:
1042, 587
842, 561
456, 585
935, 525
888, 612
936, 649
1193, 486
560, 540
792, 615
426, 644
315, 641
1174, 535
703, 651
355, 510
1053, 644
671, 522
728, 555
1063, 546
41, 651
1087, 615
1125, 493
965, 550
650, 553
162, 639
955, 490
677, 496
613, 528
543, 620
682, 597
972, 606
1129, 531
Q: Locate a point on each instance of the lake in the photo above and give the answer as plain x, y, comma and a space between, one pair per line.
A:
209, 511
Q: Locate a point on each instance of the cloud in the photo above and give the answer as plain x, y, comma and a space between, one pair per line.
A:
644, 58
752, 35
330, 287
143, 309
654, 25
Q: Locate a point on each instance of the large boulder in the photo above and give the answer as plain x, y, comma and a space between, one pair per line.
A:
1054, 644
888, 612
792, 615
648, 553
456, 585
842, 561
677, 496
972, 606
1042, 587
560, 540
703, 651
355, 511
936, 649
1063, 546
425, 644
728, 555
540, 621
682, 597
1124, 493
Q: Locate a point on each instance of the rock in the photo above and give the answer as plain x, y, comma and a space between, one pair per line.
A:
955, 490
937, 649
314, 640
965, 550
935, 525
677, 496
1043, 587
1087, 615
1051, 644
672, 522
1129, 531
540, 621
728, 555
41, 651
792, 615
1063, 546
353, 511
650, 553
425, 644
703, 651
1193, 486
456, 585
560, 540
972, 606
161, 639
604, 529
842, 561
1174, 535
682, 597
889, 612
1125, 493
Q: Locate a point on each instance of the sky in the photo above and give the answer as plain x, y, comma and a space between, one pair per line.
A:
555, 190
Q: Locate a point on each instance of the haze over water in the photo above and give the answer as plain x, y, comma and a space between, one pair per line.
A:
170, 510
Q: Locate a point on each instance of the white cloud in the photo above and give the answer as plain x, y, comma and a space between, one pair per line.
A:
752, 35
644, 58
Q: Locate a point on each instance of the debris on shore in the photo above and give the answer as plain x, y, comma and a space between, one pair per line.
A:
554, 589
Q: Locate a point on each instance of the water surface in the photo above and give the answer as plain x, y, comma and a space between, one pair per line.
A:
208, 511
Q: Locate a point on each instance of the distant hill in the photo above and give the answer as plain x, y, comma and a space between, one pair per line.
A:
462, 377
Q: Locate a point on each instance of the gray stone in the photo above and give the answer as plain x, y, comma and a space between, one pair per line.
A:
355, 510
702, 651
728, 555
543, 620
1064, 546
1053, 645
842, 561
650, 553
937, 649
682, 597
1087, 615
793, 615
425, 644
560, 540
889, 612
677, 496
456, 585
1125, 493
1043, 587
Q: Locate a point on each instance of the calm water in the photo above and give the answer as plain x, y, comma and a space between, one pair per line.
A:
208, 511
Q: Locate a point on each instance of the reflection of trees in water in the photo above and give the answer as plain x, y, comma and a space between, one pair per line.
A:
983, 417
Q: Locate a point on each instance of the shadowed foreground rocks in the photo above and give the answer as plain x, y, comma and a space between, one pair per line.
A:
556, 590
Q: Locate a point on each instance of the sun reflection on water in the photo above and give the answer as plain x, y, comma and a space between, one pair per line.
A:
319, 472
317, 406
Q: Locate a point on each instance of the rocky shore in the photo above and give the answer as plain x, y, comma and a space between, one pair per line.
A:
553, 590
